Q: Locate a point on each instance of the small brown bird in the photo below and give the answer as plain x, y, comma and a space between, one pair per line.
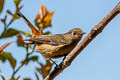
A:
58, 45
54, 46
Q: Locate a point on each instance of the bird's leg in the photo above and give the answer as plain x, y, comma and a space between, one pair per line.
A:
57, 66
64, 58
53, 62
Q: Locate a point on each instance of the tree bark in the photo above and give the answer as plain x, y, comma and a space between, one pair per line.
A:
97, 29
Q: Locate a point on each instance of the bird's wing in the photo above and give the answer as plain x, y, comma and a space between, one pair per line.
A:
51, 39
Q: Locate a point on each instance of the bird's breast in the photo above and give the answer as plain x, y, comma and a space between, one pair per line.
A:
51, 51
48, 51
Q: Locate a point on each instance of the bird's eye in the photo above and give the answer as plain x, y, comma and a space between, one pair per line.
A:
73, 33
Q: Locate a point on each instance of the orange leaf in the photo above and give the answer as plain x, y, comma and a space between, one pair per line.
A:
43, 19
20, 40
48, 18
35, 32
4, 46
43, 11
45, 69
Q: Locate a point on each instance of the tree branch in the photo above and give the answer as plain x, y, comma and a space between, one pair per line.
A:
24, 61
93, 33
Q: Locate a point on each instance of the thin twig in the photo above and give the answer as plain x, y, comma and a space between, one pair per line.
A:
93, 33
23, 63
20, 66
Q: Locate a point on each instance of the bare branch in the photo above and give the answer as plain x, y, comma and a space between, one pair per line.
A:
24, 61
93, 33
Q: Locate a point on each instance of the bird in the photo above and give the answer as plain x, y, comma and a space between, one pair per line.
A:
57, 45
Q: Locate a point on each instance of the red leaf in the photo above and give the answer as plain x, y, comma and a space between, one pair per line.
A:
4, 46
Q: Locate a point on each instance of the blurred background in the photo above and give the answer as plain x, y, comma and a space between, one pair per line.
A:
100, 60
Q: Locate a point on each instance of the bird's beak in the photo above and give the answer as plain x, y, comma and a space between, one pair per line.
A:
83, 33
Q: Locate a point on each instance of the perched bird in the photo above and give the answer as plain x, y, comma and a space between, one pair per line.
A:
58, 45
55, 46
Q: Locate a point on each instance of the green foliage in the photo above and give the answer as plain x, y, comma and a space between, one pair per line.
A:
47, 32
9, 33
4, 56
37, 77
3, 78
32, 58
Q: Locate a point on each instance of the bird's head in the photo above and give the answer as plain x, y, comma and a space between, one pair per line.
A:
76, 33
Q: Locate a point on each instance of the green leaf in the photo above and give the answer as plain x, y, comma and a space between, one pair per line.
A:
9, 33
1, 5
37, 77
17, 2
3, 78
2, 57
47, 32
7, 56
33, 58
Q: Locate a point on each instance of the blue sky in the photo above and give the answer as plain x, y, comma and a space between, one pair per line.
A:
100, 60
